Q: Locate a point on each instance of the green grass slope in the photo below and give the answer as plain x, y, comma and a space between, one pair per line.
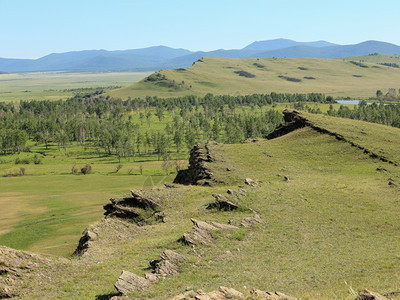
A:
336, 77
329, 230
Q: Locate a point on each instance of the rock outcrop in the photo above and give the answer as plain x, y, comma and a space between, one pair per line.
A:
225, 293
202, 232
136, 206
168, 265
197, 173
369, 295
84, 242
129, 282
293, 121
228, 201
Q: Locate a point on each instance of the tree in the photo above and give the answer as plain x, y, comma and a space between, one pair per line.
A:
379, 93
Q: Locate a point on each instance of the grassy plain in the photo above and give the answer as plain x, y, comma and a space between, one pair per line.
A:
335, 77
60, 85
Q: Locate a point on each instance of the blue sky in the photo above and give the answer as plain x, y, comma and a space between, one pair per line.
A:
34, 28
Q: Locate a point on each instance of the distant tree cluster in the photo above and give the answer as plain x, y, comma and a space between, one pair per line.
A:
375, 113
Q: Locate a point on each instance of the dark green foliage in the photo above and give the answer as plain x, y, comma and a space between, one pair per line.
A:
245, 74
375, 113
87, 169
393, 65
290, 78
359, 64
109, 126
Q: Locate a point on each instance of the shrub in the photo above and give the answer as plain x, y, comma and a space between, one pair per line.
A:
20, 161
37, 160
258, 65
74, 169
358, 64
290, 78
119, 167
21, 171
86, 169
245, 74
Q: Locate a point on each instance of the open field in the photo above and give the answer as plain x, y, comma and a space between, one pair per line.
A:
46, 210
60, 85
335, 77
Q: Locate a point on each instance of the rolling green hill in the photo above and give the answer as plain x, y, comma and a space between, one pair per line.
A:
335, 77
318, 219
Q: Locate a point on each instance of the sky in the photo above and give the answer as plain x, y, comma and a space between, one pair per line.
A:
35, 28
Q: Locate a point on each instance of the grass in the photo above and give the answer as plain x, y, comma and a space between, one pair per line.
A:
332, 76
60, 85
332, 226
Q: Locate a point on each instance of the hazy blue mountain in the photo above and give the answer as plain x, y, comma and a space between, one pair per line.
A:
363, 48
283, 43
161, 57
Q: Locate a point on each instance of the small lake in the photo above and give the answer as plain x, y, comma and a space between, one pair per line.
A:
358, 102
350, 102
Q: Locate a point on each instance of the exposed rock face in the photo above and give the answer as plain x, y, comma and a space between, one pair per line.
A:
168, 265
249, 221
129, 282
222, 203
132, 207
84, 242
293, 121
197, 173
369, 295
202, 232
250, 182
225, 293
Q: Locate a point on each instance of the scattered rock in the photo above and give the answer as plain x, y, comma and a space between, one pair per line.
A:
231, 293
250, 182
257, 294
170, 186
223, 203
129, 282
249, 221
202, 232
225, 293
369, 295
285, 177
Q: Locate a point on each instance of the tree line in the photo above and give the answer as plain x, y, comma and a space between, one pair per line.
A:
125, 127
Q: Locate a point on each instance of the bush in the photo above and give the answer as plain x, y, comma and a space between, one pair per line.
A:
37, 160
74, 169
22, 161
86, 169
119, 167
245, 74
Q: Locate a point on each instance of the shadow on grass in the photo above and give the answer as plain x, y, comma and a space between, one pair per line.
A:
107, 296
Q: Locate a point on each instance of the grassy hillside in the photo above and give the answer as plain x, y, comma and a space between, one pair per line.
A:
330, 223
379, 58
336, 77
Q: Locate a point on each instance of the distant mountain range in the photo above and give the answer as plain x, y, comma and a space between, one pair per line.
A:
161, 57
